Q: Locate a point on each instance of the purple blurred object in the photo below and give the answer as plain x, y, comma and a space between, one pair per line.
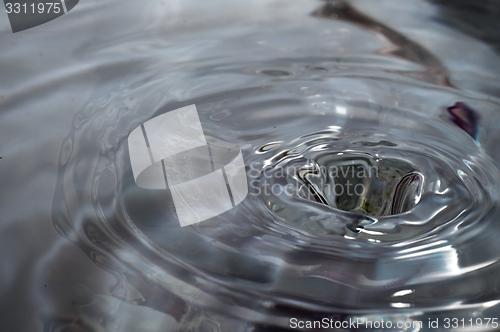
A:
465, 117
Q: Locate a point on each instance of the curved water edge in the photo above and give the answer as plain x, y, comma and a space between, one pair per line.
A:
415, 239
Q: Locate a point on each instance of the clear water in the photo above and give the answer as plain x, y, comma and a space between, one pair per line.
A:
318, 95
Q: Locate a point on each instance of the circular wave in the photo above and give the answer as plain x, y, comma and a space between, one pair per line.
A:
364, 198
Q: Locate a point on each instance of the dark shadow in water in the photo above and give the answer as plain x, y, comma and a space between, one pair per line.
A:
479, 19
401, 47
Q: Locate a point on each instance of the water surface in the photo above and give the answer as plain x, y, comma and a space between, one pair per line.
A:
320, 97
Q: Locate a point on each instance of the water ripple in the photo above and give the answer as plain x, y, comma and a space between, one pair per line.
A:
417, 232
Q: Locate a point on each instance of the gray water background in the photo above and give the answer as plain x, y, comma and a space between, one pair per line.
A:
128, 61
